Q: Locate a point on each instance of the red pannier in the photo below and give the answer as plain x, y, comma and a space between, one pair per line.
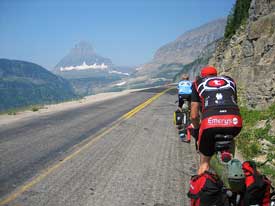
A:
257, 186
206, 190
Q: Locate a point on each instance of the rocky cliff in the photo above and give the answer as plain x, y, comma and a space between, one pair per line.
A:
249, 56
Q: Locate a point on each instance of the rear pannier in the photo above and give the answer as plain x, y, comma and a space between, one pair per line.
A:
206, 190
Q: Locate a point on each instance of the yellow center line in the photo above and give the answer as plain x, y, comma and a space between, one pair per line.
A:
44, 173
143, 105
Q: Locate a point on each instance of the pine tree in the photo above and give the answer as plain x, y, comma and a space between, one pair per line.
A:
237, 17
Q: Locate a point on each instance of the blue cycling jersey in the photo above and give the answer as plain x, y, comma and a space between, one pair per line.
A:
184, 87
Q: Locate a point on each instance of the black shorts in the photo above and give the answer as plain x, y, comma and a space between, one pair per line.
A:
207, 142
183, 97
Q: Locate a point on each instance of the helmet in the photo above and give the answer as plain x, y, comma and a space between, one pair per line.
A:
185, 77
209, 70
235, 175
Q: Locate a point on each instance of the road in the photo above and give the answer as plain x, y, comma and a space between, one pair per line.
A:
92, 156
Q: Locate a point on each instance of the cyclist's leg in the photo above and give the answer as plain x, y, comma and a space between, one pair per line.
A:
189, 107
185, 118
180, 102
186, 110
206, 145
196, 137
204, 163
189, 101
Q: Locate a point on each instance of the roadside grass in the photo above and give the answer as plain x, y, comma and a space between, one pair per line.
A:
15, 111
249, 144
220, 169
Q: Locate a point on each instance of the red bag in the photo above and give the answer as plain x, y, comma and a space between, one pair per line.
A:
257, 186
206, 190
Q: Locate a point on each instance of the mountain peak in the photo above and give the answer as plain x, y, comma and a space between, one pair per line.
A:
83, 48
80, 53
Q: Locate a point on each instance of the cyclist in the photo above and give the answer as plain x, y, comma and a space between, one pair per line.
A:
184, 91
217, 98
184, 94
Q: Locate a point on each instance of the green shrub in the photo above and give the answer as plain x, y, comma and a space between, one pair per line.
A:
35, 108
268, 171
11, 113
237, 17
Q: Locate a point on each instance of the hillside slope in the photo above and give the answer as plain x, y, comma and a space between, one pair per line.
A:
24, 83
189, 45
249, 56
194, 67
186, 47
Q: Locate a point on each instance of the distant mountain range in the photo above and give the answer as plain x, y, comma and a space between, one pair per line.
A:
202, 60
24, 83
189, 45
186, 48
91, 73
171, 59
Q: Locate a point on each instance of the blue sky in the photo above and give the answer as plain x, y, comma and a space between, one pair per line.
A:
127, 31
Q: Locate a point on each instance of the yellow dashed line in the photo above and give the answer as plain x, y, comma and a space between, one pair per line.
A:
104, 131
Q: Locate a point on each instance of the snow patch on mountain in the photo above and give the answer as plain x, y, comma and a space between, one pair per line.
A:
117, 72
85, 66
121, 83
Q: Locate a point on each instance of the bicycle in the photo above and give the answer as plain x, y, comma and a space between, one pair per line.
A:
272, 198
185, 121
224, 147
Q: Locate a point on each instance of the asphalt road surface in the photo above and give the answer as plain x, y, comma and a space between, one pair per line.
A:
92, 156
